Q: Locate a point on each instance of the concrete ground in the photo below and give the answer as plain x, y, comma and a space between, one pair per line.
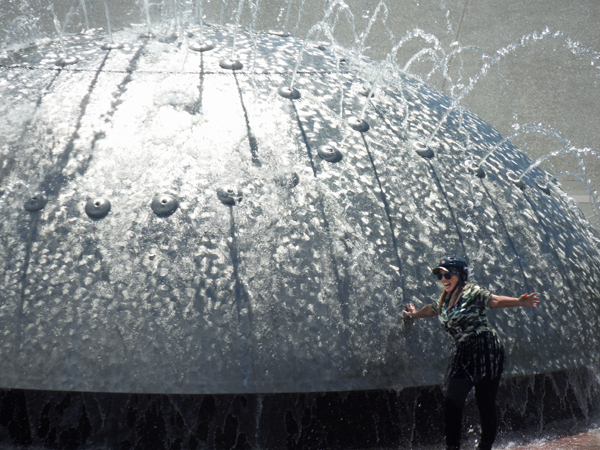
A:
585, 441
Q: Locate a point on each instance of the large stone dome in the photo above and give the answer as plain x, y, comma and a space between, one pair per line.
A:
278, 268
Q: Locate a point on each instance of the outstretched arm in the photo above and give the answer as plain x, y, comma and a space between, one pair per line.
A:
499, 301
411, 312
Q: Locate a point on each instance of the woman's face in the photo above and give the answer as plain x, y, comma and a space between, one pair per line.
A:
450, 284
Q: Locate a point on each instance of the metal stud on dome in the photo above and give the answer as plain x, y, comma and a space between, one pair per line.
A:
290, 93
231, 64
97, 208
542, 184
329, 153
358, 124
513, 177
423, 150
279, 33
168, 38
364, 91
474, 168
36, 202
164, 204
67, 61
202, 46
111, 46
229, 195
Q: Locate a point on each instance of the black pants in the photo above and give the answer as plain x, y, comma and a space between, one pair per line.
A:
456, 393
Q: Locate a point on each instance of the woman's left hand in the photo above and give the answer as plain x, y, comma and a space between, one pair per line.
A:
531, 300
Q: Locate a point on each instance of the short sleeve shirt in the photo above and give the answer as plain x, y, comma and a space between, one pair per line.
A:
468, 316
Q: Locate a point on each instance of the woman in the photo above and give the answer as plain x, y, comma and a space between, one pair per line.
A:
477, 357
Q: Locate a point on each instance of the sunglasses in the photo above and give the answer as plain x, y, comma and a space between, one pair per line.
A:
445, 276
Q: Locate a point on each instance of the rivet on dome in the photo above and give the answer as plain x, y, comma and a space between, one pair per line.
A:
514, 178
67, 61
97, 208
36, 202
287, 92
329, 153
231, 64
542, 184
279, 33
112, 46
229, 195
423, 150
364, 91
202, 46
164, 204
473, 167
358, 124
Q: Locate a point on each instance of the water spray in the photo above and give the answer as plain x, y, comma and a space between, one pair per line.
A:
148, 34
112, 45
201, 45
232, 63
66, 60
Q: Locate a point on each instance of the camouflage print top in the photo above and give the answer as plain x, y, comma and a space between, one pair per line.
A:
468, 316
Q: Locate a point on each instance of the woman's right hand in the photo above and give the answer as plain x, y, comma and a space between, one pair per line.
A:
409, 311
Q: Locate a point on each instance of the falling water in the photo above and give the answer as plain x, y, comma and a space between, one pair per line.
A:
200, 17
148, 33
365, 34
85, 14
371, 91
300, 10
237, 18
224, 4
569, 149
322, 27
111, 43
70, 13
66, 59
287, 15
526, 129
593, 195
500, 54
305, 45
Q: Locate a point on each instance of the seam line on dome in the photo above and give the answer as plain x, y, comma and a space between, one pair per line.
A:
251, 138
445, 195
386, 207
510, 241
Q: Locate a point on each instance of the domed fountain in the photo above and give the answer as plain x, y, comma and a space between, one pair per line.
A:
181, 221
